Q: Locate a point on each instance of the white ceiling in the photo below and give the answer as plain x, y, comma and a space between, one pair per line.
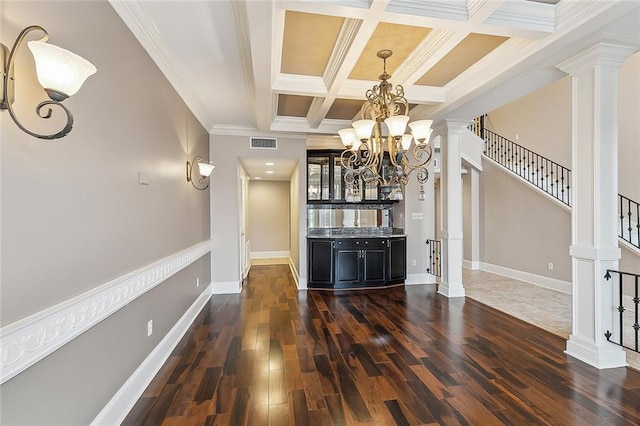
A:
224, 57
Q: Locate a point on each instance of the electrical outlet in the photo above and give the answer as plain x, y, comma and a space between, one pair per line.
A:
517, 137
550, 266
413, 262
416, 216
149, 328
198, 282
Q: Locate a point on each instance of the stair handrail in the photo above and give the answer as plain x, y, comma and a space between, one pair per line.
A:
544, 173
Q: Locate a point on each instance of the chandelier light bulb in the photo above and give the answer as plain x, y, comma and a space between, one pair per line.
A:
348, 137
406, 141
397, 124
363, 129
421, 130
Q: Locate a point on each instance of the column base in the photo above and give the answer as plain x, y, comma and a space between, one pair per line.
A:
600, 357
451, 291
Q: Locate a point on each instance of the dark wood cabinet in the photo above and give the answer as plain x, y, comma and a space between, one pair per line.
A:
360, 262
397, 260
342, 263
320, 255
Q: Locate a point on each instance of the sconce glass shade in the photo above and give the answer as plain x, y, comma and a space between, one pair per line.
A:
348, 137
363, 128
205, 169
60, 72
396, 124
421, 130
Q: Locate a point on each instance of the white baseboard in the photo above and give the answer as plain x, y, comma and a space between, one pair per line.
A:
226, 287
474, 265
415, 279
268, 254
539, 280
125, 398
300, 282
598, 356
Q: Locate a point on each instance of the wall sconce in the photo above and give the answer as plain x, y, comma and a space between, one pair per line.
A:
204, 169
60, 73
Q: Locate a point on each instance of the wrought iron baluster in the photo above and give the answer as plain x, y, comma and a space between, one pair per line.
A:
636, 301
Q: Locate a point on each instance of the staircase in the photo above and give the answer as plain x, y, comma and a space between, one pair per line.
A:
551, 177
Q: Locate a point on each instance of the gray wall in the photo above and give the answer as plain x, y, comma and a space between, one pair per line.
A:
74, 216
268, 214
521, 228
629, 133
543, 122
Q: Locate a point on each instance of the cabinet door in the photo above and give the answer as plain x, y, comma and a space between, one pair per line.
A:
320, 261
397, 259
374, 261
347, 266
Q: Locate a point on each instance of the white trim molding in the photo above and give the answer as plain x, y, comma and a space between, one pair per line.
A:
29, 340
125, 398
226, 287
539, 280
269, 254
416, 279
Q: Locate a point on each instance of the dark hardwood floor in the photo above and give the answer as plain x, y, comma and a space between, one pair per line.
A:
406, 356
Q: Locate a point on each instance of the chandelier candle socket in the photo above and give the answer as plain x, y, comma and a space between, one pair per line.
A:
381, 155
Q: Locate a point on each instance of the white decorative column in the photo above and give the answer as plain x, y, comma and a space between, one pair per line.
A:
594, 240
451, 195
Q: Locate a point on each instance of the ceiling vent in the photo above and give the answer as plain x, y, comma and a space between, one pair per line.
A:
264, 143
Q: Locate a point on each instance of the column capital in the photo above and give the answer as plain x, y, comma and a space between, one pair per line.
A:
611, 52
446, 126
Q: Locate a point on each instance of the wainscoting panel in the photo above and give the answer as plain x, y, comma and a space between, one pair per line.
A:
29, 340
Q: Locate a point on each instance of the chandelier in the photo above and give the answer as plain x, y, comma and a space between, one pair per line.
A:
380, 156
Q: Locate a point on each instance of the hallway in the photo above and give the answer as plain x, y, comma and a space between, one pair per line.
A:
273, 355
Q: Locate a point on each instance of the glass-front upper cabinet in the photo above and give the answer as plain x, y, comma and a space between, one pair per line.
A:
326, 181
318, 178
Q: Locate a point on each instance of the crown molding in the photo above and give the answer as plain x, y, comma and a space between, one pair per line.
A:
140, 23
451, 9
526, 15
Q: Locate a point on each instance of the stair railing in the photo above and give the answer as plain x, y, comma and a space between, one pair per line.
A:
628, 280
434, 265
544, 173
629, 226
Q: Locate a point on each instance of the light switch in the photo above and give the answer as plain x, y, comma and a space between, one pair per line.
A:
143, 178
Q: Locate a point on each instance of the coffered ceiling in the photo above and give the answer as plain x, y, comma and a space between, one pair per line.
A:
303, 67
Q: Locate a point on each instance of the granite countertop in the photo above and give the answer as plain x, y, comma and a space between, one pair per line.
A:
330, 233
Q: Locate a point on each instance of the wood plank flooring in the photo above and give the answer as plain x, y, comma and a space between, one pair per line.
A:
405, 356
